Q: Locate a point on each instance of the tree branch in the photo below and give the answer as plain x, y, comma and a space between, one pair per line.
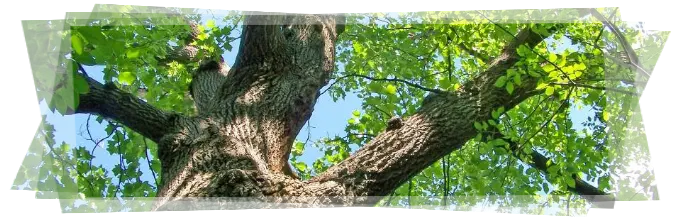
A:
296, 53
111, 102
261, 38
394, 156
583, 188
597, 88
472, 52
632, 56
396, 80
211, 72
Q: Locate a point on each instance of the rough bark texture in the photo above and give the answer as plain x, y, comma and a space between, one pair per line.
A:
239, 143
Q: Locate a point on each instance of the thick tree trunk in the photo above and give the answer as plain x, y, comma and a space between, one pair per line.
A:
239, 143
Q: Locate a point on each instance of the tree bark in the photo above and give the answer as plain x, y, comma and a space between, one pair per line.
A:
239, 144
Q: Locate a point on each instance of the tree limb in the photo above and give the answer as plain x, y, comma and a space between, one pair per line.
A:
260, 40
282, 63
111, 102
393, 157
540, 162
210, 74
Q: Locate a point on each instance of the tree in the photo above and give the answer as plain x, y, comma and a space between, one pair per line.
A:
490, 102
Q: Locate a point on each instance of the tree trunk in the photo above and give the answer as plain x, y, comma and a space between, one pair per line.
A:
249, 115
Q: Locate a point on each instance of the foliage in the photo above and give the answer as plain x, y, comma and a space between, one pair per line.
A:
392, 62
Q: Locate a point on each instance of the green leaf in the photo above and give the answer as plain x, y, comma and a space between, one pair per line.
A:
518, 79
298, 149
500, 82
93, 35
210, 24
300, 166
570, 182
71, 98
49, 100
390, 89
80, 85
132, 53
510, 88
605, 115
356, 113
552, 170
60, 102
127, 77
534, 73
77, 44
552, 57
85, 59
549, 90
478, 126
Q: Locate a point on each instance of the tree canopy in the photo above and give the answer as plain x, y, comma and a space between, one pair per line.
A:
565, 124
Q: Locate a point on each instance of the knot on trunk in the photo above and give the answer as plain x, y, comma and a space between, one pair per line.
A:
394, 123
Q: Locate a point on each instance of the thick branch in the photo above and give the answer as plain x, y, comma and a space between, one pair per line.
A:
210, 74
394, 156
111, 102
206, 82
260, 40
283, 62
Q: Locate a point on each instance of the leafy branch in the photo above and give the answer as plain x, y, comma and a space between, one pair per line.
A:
73, 167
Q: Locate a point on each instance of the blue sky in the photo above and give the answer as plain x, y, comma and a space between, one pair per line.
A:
328, 119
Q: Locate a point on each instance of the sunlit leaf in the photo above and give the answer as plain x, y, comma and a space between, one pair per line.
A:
77, 44
390, 89
127, 77
549, 90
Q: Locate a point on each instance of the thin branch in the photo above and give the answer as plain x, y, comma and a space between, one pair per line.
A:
596, 87
621, 80
96, 142
559, 109
398, 80
53, 154
531, 49
146, 151
634, 60
597, 39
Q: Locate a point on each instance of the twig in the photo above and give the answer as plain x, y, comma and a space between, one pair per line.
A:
398, 80
596, 87
602, 29
146, 151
